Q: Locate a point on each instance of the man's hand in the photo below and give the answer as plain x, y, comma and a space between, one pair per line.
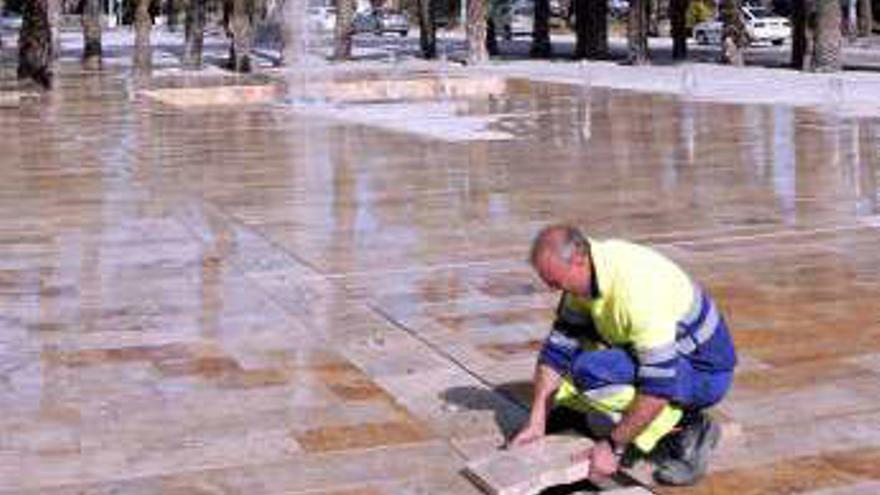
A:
602, 461
546, 381
531, 432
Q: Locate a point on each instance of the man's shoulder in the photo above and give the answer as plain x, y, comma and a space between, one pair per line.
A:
638, 271
623, 251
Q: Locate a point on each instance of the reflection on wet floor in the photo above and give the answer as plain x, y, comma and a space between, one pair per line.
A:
265, 298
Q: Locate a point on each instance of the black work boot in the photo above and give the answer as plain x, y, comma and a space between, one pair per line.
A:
690, 454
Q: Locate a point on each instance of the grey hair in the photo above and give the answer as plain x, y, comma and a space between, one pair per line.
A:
561, 241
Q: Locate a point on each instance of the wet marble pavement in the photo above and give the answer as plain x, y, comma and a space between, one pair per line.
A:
281, 298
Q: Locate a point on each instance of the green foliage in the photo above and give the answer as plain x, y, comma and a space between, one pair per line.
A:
699, 11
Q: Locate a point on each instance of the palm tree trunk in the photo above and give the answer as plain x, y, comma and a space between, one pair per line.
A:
866, 18
799, 34
476, 31
591, 28
580, 14
491, 36
733, 33
637, 32
828, 42
293, 31
678, 19
240, 30
194, 34
91, 23
345, 10
173, 8
143, 56
849, 25
657, 9
35, 43
55, 26
541, 47
427, 30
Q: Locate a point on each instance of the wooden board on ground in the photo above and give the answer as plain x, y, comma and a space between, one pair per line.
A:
529, 469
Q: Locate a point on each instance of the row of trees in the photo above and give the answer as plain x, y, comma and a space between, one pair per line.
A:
817, 39
816, 44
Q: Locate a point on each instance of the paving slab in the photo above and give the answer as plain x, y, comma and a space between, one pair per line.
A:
531, 468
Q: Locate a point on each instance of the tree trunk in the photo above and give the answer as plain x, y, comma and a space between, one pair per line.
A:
143, 55
55, 26
733, 33
658, 24
241, 15
850, 23
427, 29
800, 39
91, 23
637, 32
293, 31
35, 43
541, 47
491, 37
476, 32
678, 19
194, 34
173, 9
827, 45
344, 29
591, 28
579, 22
866, 18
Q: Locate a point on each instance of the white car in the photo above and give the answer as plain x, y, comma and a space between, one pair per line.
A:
392, 21
11, 22
380, 21
761, 26
321, 18
514, 18
708, 32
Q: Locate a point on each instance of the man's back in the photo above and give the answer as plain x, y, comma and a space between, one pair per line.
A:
642, 294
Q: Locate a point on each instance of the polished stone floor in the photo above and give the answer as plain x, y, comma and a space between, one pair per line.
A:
283, 297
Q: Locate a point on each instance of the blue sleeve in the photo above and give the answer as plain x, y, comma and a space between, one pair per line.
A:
559, 352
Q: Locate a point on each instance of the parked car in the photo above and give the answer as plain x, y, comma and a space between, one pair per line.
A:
708, 32
618, 9
365, 22
559, 12
514, 18
393, 21
761, 26
321, 18
381, 21
10, 21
